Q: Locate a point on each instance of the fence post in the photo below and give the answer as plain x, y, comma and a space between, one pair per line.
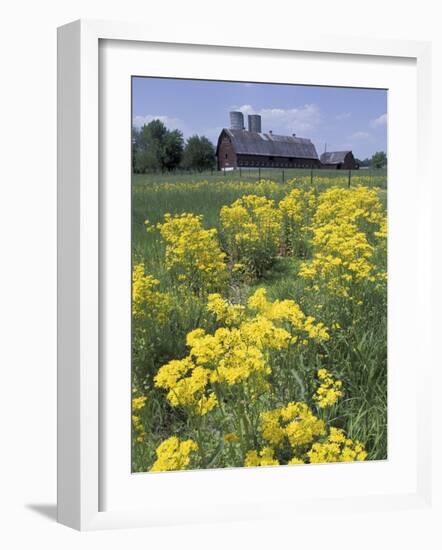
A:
283, 178
311, 176
240, 173
349, 178
259, 174
224, 170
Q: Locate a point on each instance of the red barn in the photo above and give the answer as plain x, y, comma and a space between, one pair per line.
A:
339, 160
238, 147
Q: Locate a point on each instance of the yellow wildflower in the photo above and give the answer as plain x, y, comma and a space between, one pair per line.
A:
295, 423
265, 457
228, 313
287, 310
297, 209
231, 437
173, 454
345, 222
329, 390
337, 448
138, 428
138, 403
187, 385
296, 460
148, 303
193, 255
251, 228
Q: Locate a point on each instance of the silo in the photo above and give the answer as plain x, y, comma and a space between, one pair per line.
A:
254, 123
236, 120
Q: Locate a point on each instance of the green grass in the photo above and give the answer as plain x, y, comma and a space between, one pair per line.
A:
357, 354
152, 197
371, 177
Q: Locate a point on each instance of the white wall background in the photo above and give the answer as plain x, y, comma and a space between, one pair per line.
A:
28, 268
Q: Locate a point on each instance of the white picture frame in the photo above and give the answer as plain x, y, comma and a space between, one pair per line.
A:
80, 437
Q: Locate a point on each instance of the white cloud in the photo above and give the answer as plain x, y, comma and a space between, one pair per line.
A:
295, 120
300, 120
379, 121
360, 135
245, 109
170, 122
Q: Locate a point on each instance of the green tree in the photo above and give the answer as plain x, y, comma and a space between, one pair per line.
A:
199, 154
157, 148
365, 162
135, 145
379, 159
173, 145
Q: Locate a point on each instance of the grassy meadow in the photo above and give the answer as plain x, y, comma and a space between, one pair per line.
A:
259, 319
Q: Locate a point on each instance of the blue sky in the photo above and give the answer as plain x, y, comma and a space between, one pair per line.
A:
342, 118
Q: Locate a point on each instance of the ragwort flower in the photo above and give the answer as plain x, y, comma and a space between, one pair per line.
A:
173, 454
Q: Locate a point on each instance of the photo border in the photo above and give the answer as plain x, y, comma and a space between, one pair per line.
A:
79, 259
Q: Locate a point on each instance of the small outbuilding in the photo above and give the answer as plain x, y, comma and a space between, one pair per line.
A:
339, 160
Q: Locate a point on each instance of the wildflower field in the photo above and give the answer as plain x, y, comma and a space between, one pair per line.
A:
259, 321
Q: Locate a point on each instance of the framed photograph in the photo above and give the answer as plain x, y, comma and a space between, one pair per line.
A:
242, 277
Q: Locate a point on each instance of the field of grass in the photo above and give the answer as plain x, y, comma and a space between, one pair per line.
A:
371, 177
286, 250
156, 194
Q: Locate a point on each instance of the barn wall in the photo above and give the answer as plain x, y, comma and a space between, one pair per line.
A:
349, 162
275, 162
226, 154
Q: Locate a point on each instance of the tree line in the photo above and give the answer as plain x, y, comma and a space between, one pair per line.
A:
155, 148
378, 160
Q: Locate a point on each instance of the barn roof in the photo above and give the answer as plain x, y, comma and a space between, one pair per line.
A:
334, 157
254, 143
